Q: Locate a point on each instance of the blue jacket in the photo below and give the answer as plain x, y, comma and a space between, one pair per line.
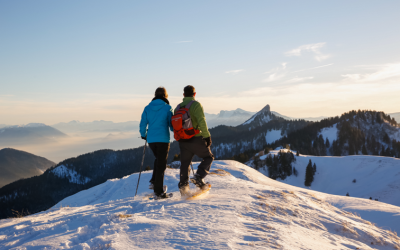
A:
157, 116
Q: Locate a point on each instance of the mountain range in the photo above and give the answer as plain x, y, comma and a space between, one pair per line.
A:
243, 210
32, 133
16, 164
261, 132
96, 126
396, 116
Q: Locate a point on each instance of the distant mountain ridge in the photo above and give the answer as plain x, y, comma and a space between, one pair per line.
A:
396, 116
96, 126
353, 133
239, 116
30, 133
16, 164
228, 117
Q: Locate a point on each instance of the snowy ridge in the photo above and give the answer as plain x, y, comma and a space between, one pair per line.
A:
330, 133
224, 149
73, 177
262, 119
29, 125
261, 213
375, 176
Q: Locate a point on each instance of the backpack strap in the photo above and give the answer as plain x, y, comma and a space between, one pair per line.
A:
189, 104
186, 106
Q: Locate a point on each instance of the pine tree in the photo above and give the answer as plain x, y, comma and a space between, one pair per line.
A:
364, 150
327, 143
297, 153
314, 168
295, 171
351, 149
309, 174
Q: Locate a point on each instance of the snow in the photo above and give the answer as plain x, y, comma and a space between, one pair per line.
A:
73, 177
264, 119
330, 133
250, 120
29, 125
35, 125
377, 177
273, 135
244, 209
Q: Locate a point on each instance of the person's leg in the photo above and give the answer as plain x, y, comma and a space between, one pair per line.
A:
153, 176
186, 159
162, 155
153, 148
202, 151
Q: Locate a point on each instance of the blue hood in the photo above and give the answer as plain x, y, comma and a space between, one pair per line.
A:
156, 121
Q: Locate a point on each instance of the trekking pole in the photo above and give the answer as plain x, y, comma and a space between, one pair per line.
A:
140, 173
192, 168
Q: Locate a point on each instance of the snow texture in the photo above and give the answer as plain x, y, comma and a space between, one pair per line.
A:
73, 177
243, 210
273, 135
330, 133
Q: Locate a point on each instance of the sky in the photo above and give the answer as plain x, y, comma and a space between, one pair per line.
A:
103, 60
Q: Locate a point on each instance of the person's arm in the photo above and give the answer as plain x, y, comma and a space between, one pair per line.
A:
201, 120
143, 124
170, 114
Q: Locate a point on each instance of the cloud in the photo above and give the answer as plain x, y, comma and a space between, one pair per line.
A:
313, 68
276, 73
185, 41
383, 72
299, 79
314, 48
234, 72
274, 77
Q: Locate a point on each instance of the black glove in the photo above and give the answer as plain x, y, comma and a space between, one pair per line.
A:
144, 138
208, 141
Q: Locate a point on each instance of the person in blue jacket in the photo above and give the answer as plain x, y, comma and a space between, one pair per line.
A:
154, 127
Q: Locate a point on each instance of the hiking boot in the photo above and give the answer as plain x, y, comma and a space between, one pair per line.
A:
199, 182
162, 196
184, 188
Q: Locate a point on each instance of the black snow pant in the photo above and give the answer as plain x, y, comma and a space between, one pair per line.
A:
189, 148
160, 151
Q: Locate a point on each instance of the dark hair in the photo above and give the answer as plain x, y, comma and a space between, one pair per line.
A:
161, 92
189, 91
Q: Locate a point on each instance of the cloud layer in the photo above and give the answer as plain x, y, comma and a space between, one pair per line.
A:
314, 48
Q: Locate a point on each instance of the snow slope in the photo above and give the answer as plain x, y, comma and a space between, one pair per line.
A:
273, 135
72, 176
377, 177
329, 133
244, 210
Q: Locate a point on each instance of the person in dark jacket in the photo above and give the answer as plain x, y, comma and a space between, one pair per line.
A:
198, 145
154, 127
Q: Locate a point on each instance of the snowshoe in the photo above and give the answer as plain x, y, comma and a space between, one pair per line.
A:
199, 192
184, 189
199, 182
163, 196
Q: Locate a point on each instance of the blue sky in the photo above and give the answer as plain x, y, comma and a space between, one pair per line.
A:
92, 60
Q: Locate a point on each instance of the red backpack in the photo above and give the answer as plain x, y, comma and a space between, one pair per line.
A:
182, 123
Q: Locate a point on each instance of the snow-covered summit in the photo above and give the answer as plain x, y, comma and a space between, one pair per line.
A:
243, 210
261, 117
